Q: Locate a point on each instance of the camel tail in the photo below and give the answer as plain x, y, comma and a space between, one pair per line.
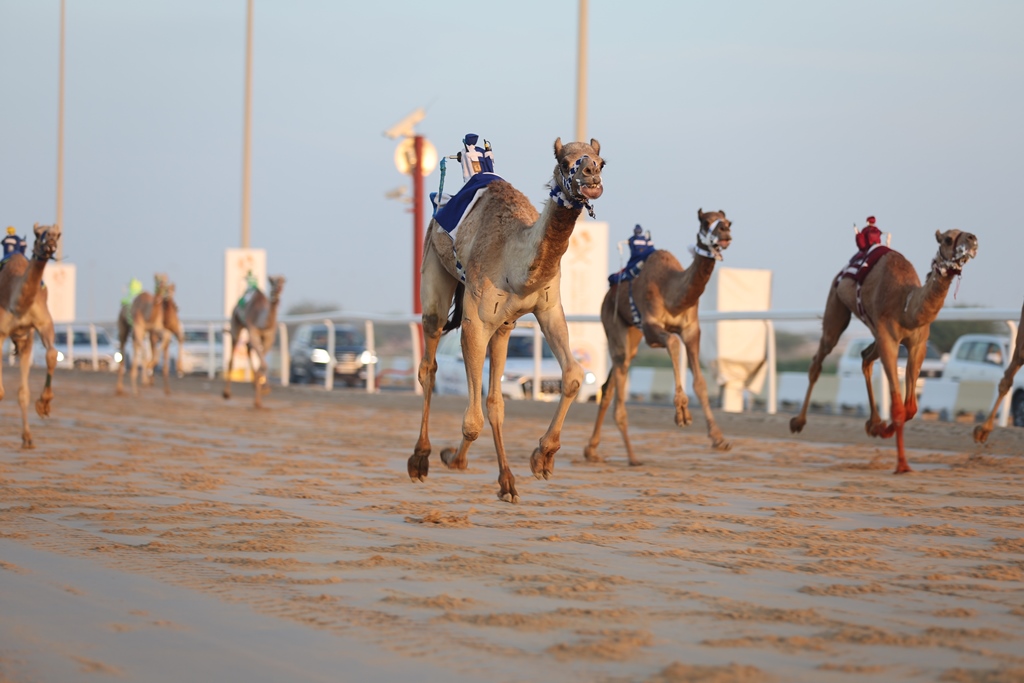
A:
455, 321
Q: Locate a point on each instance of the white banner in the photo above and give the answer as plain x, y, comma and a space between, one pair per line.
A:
238, 264
60, 281
584, 284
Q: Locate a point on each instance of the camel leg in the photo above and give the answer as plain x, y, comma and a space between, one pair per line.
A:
437, 288
617, 385
122, 338
235, 331
138, 339
982, 431
888, 354
874, 425
834, 322
165, 345
24, 345
621, 338
691, 338
475, 337
496, 412
259, 371
2, 392
46, 396
552, 323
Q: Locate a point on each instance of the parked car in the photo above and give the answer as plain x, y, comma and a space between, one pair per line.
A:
517, 380
308, 354
80, 353
976, 364
195, 351
853, 394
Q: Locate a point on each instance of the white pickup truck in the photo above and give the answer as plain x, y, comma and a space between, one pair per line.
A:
971, 377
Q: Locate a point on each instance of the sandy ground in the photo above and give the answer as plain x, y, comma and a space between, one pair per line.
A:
186, 538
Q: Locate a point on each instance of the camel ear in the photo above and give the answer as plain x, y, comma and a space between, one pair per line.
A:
558, 148
938, 237
596, 145
722, 212
700, 215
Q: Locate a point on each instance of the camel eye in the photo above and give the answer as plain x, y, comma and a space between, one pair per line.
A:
948, 240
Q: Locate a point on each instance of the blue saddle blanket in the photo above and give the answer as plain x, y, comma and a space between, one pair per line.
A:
450, 215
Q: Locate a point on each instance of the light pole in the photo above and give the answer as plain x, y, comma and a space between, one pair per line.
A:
60, 136
581, 75
247, 135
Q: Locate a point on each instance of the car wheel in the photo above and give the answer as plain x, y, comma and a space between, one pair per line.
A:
1017, 409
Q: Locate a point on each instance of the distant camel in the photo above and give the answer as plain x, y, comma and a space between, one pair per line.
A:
982, 431
23, 308
257, 315
505, 262
137, 319
898, 310
659, 305
160, 340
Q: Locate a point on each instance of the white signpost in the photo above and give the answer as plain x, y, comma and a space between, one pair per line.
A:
584, 284
60, 283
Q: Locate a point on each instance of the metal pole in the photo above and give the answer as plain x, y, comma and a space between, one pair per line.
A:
60, 137
247, 139
417, 221
581, 75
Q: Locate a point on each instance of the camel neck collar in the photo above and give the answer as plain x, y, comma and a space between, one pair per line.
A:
707, 243
565, 193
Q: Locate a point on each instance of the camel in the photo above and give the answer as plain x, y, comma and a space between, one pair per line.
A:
660, 306
982, 431
145, 314
506, 262
897, 309
257, 315
23, 308
160, 340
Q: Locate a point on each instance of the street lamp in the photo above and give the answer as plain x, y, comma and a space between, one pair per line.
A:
417, 157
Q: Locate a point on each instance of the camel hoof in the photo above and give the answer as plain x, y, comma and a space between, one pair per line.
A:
721, 445
226, 394
43, 408
981, 434
509, 497
26, 444
902, 469
418, 467
542, 465
796, 424
590, 454
451, 462
636, 463
683, 418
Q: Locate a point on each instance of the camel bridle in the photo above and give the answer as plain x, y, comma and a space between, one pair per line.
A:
955, 263
707, 242
568, 193
44, 248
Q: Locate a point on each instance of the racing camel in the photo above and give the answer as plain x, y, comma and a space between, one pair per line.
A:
257, 315
23, 309
138, 319
504, 262
660, 306
898, 309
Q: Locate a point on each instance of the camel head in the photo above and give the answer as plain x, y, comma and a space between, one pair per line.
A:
956, 248
276, 287
47, 237
161, 285
577, 176
715, 234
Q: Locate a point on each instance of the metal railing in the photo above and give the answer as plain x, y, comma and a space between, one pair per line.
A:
330, 319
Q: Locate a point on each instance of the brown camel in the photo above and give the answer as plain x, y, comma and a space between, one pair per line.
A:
257, 315
23, 308
145, 314
898, 310
660, 306
160, 340
982, 431
512, 266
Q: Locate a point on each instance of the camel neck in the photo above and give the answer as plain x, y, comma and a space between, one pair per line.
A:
924, 303
687, 288
551, 233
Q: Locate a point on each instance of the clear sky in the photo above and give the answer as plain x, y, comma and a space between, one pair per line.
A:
798, 118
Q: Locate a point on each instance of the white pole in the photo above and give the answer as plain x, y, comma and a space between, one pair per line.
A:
60, 137
581, 75
247, 139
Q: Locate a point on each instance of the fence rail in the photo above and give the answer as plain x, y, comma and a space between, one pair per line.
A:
330, 319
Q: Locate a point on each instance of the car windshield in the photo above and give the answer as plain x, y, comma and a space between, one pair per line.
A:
202, 336
80, 337
342, 337
521, 346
